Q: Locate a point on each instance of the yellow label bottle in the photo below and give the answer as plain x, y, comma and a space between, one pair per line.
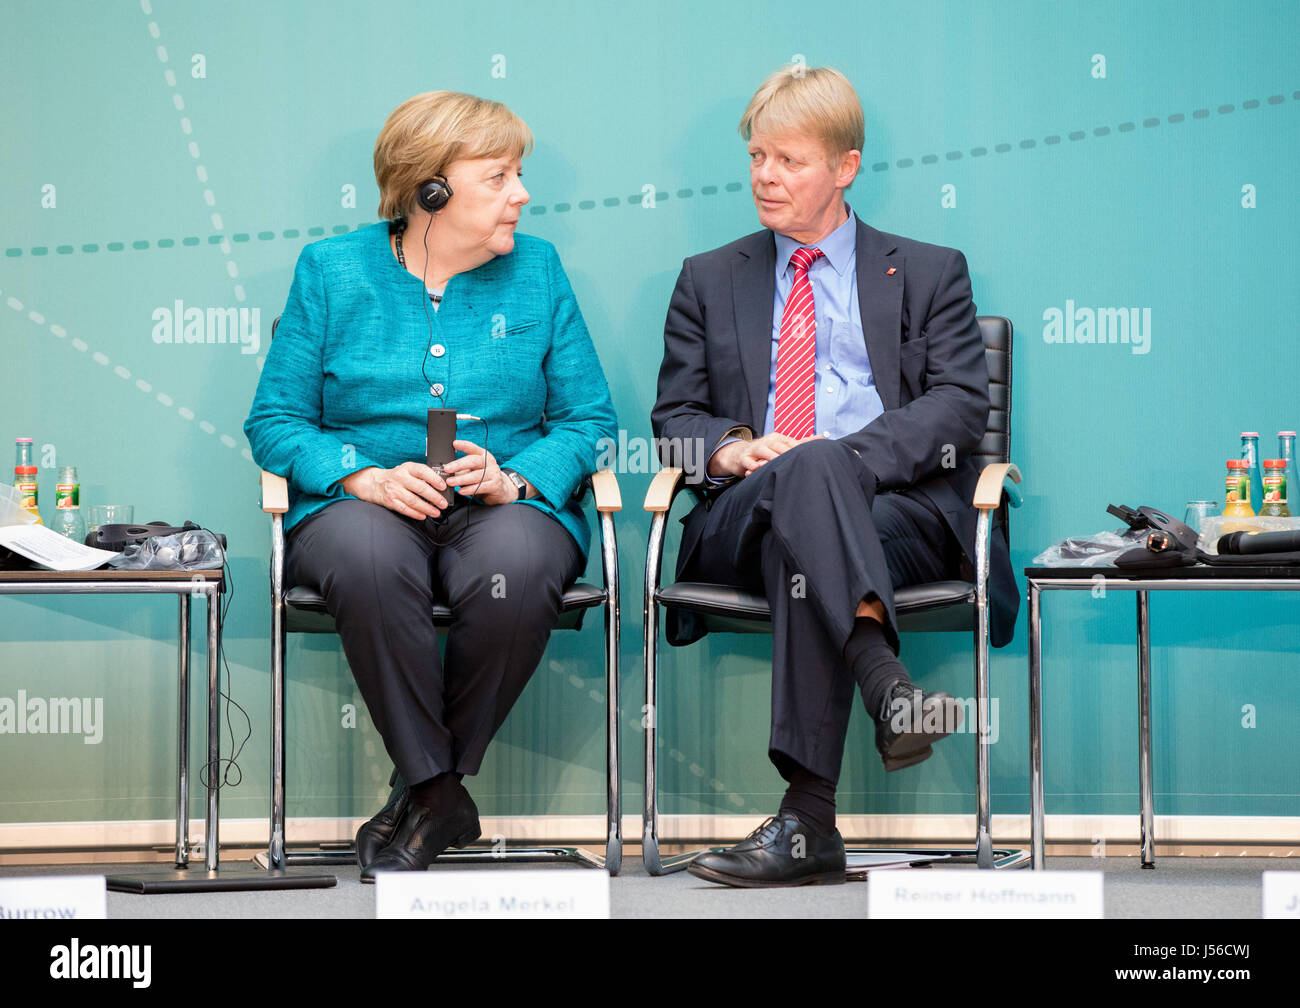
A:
1236, 494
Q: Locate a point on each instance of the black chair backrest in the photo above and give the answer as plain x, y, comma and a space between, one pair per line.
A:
996, 445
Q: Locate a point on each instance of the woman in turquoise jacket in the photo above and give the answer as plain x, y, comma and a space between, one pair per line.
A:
444, 306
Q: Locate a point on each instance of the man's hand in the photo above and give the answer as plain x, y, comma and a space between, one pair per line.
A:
411, 489
741, 458
477, 475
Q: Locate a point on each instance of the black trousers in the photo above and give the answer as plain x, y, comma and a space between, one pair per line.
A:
808, 530
502, 570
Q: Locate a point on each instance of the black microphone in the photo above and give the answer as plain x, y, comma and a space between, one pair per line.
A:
1252, 543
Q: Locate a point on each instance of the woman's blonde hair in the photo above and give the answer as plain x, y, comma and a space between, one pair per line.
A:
817, 101
425, 134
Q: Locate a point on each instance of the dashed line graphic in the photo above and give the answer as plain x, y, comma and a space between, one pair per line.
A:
635, 199
190, 241
289, 234
243, 237
1052, 139
200, 170
123, 372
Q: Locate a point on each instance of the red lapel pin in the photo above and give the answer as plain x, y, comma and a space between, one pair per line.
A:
891, 271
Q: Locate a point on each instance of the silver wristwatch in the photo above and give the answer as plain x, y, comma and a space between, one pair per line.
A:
518, 481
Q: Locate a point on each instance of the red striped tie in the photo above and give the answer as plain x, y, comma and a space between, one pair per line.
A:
795, 403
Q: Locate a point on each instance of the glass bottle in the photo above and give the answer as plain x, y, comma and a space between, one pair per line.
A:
25, 477
1286, 451
25, 480
1236, 500
67, 504
1274, 502
1250, 452
23, 453
28, 490
67, 492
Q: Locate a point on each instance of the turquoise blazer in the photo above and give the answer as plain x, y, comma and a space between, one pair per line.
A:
342, 387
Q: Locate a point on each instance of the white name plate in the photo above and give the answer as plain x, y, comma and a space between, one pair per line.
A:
970, 893
54, 897
1282, 895
466, 895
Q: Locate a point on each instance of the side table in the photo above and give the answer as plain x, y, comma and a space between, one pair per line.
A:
185, 586
209, 585
1198, 578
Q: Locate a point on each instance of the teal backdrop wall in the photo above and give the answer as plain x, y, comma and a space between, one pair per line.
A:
1102, 154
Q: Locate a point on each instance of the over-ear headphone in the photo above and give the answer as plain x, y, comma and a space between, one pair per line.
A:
434, 194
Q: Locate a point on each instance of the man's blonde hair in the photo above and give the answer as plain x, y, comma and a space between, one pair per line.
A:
425, 134
817, 101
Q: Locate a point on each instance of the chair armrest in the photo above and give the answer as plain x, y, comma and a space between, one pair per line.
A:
993, 480
604, 487
663, 488
275, 493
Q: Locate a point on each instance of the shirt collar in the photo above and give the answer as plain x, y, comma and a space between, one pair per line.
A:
838, 247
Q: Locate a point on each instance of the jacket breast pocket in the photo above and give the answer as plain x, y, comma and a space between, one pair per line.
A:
518, 353
520, 341
504, 326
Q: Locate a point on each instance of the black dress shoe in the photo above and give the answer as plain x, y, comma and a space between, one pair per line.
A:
422, 835
909, 721
376, 834
782, 852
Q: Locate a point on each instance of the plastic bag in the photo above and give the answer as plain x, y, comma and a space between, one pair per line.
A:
1100, 550
12, 511
187, 551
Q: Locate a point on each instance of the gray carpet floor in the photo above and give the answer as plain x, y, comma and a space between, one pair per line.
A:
1200, 888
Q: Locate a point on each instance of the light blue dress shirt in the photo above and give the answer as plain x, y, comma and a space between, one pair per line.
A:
847, 399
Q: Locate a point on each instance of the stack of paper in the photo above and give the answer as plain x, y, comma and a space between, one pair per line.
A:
51, 550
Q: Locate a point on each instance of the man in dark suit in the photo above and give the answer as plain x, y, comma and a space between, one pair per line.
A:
823, 384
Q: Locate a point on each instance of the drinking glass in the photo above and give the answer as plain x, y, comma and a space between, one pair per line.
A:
1197, 512
111, 514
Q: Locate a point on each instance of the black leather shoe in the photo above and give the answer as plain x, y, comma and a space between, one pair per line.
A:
421, 836
909, 721
782, 852
376, 834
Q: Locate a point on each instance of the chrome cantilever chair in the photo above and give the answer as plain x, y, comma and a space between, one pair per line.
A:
301, 609
940, 606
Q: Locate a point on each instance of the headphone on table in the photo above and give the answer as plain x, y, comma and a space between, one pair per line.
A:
434, 194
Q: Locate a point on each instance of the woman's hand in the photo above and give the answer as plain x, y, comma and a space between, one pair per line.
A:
411, 489
477, 475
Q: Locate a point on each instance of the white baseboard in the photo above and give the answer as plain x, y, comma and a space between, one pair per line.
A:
679, 829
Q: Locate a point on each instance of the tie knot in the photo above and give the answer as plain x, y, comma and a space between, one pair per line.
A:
802, 258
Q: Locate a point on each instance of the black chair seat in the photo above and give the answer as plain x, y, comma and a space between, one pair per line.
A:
729, 609
305, 610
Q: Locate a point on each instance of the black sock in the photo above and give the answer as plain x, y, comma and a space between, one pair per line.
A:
438, 794
873, 663
811, 798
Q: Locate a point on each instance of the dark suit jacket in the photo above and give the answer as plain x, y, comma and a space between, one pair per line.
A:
927, 359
